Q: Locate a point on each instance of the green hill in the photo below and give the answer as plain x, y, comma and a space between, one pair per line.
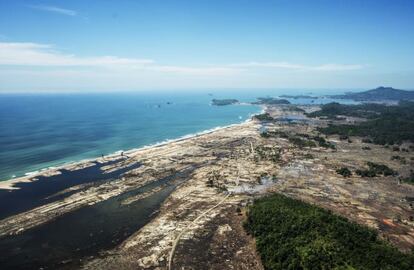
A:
380, 93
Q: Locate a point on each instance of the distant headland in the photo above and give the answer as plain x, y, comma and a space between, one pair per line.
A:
378, 94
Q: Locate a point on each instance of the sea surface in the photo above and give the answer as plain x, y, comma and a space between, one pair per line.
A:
44, 130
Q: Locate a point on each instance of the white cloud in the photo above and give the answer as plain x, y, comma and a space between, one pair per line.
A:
33, 54
335, 67
54, 9
43, 55
216, 71
287, 65
38, 67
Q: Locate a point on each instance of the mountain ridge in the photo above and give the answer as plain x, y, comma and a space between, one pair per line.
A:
379, 93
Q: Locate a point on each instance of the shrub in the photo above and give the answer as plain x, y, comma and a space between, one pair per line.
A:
409, 179
264, 117
366, 140
324, 143
402, 160
274, 134
375, 169
301, 142
344, 171
265, 134
343, 137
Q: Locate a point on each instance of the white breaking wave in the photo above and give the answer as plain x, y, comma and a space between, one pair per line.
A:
157, 144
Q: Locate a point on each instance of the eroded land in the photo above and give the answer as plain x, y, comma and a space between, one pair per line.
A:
213, 177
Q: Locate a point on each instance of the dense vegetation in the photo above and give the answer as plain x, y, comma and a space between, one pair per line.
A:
300, 140
291, 234
344, 171
301, 143
332, 110
385, 124
380, 93
279, 134
264, 117
375, 169
223, 102
323, 142
271, 101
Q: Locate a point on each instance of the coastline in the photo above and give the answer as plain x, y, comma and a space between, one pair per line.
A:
108, 206
173, 182
28, 177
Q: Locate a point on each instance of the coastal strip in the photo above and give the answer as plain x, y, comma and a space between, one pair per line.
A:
32, 176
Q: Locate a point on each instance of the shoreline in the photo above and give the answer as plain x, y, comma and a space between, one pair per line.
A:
99, 215
28, 177
187, 176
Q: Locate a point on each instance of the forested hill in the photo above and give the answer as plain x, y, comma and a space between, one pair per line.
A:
380, 93
384, 125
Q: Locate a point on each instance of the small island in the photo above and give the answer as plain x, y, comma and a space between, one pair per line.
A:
224, 102
298, 96
270, 101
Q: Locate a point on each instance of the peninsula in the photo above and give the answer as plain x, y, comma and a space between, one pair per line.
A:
379, 94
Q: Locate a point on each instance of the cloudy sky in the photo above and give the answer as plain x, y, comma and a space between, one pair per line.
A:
150, 44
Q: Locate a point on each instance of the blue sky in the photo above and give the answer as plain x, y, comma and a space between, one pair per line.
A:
90, 45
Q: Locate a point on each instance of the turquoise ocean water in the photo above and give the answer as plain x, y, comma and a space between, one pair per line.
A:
43, 130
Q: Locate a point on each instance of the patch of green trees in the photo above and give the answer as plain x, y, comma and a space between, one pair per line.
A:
302, 142
375, 169
264, 117
344, 171
291, 234
271, 101
384, 125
